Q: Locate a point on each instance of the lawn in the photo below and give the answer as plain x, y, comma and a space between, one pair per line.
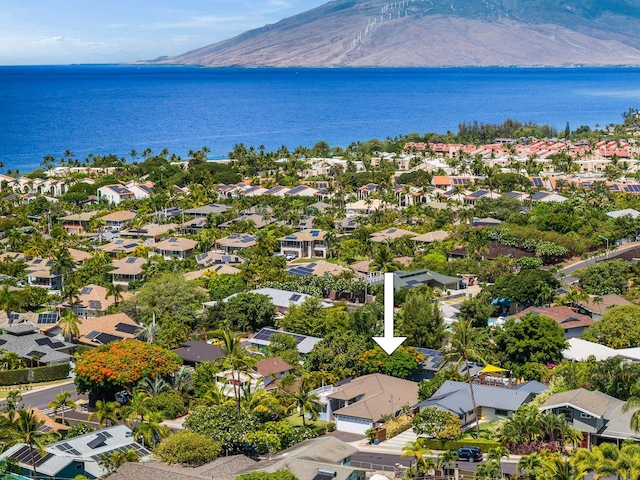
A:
23, 388
296, 421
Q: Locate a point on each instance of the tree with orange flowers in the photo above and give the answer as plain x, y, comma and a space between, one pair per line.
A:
121, 365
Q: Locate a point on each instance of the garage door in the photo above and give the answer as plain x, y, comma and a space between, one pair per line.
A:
352, 424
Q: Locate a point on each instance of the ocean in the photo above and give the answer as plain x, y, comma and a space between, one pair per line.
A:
103, 109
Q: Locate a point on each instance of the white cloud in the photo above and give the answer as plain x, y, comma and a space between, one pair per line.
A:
76, 42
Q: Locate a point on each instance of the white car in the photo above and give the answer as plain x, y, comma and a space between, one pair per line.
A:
290, 256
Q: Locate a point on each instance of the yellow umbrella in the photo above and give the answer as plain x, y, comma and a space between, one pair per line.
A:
492, 369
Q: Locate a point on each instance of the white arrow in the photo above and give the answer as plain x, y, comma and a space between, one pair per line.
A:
389, 343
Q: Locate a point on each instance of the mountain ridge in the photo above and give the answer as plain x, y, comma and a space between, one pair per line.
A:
435, 33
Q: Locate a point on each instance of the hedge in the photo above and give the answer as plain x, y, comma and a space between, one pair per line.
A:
484, 445
34, 375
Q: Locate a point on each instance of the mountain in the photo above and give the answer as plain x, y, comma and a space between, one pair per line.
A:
417, 33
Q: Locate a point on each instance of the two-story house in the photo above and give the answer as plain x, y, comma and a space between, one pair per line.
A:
305, 244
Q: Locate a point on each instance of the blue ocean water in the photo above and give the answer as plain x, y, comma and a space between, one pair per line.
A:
114, 109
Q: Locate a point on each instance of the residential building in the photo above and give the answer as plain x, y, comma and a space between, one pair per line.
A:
194, 352
77, 223
390, 234
34, 348
359, 404
212, 258
115, 194
120, 245
140, 190
127, 270
152, 231
262, 339
213, 208
426, 238
236, 242
222, 468
117, 220
96, 331
494, 250
282, 300
580, 350
320, 458
40, 273
174, 247
259, 220
572, 322
76, 456
305, 244
272, 370
92, 302
595, 309
318, 268
600, 417
492, 402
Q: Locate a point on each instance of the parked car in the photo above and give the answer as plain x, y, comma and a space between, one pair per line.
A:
290, 256
471, 454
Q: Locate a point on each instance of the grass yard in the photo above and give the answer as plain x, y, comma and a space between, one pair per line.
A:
296, 421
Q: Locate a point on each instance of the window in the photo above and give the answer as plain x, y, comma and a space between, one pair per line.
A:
585, 415
501, 413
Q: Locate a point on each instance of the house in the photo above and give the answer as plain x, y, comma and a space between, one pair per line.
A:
261, 339
222, 468
115, 194
418, 278
322, 458
92, 302
600, 417
272, 369
151, 231
193, 352
220, 269
127, 270
140, 190
432, 363
120, 245
573, 323
361, 403
390, 234
40, 273
493, 402
305, 244
580, 350
77, 223
34, 348
96, 331
281, 299
236, 242
473, 197
209, 259
631, 212
194, 225
494, 250
547, 197
596, 309
258, 220
76, 456
174, 247
437, 236
318, 268
117, 220
213, 208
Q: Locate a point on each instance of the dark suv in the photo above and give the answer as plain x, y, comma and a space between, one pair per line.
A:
472, 454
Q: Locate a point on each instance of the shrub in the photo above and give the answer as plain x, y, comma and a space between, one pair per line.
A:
278, 475
79, 429
171, 404
188, 448
397, 425
528, 448
34, 375
264, 442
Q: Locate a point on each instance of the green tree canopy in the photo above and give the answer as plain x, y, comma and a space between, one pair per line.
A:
401, 363
188, 448
528, 287
619, 327
243, 312
604, 277
421, 321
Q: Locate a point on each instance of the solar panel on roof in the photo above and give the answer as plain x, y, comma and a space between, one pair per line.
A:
226, 258
43, 341
295, 297
290, 237
392, 230
315, 233
131, 245
537, 182
119, 242
312, 265
126, 328
95, 304
247, 239
47, 318
14, 316
92, 334
96, 442
37, 261
173, 240
104, 338
24, 455
86, 291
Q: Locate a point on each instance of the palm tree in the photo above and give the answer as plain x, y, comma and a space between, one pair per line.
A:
446, 459
417, 450
465, 346
110, 462
9, 300
633, 403
304, 401
136, 408
601, 460
530, 464
573, 297
151, 429
69, 324
71, 293
383, 260
497, 454
62, 401
235, 358
149, 333
216, 395
559, 469
628, 463
62, 263
115, 291
488, 471
598, 300
153, 386
26, 428
182, 380
106, 412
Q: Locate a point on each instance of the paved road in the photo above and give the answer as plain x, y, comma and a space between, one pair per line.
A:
40, 398
569, 269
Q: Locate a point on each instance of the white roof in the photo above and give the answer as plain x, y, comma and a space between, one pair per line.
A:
580, 350
279, 298
621, 213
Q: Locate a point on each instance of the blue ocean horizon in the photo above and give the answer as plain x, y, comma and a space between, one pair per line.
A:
102, 109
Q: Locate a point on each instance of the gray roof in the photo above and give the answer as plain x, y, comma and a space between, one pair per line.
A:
456, 397
281, 298
405, 279
306, 458
30, 345
206, 209
305, 343
222, 468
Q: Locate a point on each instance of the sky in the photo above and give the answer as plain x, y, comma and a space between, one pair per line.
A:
47, 32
